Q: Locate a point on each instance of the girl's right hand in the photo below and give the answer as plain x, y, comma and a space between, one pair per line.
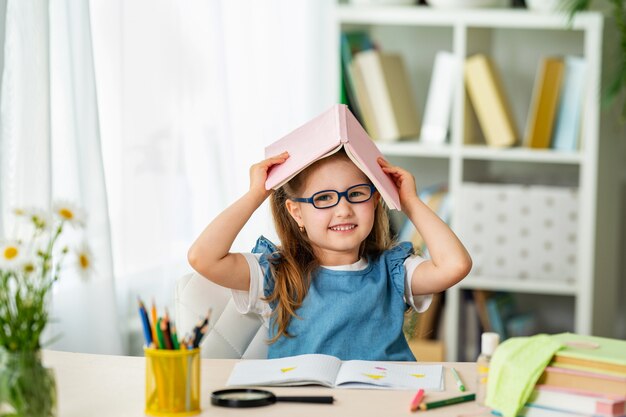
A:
258, 174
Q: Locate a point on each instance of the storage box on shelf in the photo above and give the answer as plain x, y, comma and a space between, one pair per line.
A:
516, 41
519, 232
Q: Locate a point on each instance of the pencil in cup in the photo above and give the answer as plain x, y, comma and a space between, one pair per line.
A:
172, 382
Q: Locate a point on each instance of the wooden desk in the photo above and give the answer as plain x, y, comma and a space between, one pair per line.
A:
102, 385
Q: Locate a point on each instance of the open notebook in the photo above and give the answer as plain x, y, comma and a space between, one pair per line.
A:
323, 136
326, 370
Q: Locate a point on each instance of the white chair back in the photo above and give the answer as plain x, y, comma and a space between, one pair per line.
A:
231, 335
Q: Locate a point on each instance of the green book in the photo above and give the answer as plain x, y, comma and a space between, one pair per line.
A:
590, 353
351, 43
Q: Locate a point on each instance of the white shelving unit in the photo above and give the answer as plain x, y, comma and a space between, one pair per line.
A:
515, 39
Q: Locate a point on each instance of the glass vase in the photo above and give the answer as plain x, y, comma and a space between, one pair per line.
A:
27, 388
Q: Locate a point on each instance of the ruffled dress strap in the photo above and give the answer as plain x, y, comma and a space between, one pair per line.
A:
264, 246
268, 251
394, 259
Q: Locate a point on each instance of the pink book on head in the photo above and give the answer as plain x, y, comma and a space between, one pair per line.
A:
323, 136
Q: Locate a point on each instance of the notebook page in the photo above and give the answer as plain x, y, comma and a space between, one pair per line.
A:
293, 370
372, 374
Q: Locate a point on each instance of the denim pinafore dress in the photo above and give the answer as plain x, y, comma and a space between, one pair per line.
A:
347, 314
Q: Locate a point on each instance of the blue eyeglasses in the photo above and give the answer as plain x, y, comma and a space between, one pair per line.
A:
359, 193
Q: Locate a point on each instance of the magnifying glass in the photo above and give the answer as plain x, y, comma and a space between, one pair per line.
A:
245, 397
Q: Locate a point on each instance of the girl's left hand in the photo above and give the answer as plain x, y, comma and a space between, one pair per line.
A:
403, 179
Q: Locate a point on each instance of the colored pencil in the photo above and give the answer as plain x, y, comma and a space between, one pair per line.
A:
447, 401
167, 339
145, 322
456, 376
153, 313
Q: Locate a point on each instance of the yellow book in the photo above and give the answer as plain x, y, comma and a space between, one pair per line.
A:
488, 98
387, 85
545, 102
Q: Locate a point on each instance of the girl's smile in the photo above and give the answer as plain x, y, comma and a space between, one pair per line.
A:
343, 227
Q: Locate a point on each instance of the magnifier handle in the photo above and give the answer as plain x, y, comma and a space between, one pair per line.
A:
308, 399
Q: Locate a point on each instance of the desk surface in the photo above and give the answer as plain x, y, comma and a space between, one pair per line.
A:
102, 385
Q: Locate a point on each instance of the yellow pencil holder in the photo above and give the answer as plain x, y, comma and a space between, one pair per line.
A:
172, 382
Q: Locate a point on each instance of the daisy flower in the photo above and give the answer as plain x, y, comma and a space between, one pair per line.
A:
19, 212
28, 260
84, 261
11, 255
29, 266
42, 220
69, 213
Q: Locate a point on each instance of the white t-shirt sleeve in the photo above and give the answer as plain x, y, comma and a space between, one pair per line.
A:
420, 303
251, 301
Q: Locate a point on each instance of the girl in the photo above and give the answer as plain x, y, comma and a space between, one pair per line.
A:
336, 285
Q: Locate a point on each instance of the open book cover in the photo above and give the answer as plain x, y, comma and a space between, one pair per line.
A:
323, 136
329, 371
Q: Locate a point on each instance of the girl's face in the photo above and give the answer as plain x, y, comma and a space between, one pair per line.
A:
335, 233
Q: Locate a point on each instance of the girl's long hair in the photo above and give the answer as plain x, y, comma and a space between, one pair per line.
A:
295, 262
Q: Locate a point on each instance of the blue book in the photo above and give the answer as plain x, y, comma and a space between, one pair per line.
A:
567, 128
500, 308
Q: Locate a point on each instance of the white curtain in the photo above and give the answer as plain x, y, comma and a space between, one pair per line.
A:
50, 149
274, 71
190, 92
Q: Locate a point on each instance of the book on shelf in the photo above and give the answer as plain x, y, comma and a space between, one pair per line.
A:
436, 197
488, 98
567, 129
596, 382
500, 308
472, 133
331, 372
505, 319
444, 75
591, 353
407, 232
470, 331
386, 85
351, 43
521, 325
577, 401
435, 203
363, 99
480, 301
322, 136
544, 103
